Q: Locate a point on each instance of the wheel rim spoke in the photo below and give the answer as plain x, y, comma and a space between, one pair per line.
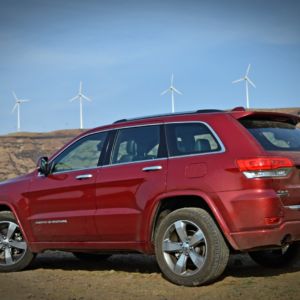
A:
184, 248
180, 266
169, 246
13, 246
197, 259
18, 245
8, 256
197, 238
11, 229
181, 230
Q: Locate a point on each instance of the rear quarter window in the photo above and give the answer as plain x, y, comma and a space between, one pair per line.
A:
274, 135
190, 138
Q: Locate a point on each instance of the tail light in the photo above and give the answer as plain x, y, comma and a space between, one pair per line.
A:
261, 167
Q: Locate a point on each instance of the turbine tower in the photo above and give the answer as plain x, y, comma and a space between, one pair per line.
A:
80, 97
18, 107
172, 90
247, 81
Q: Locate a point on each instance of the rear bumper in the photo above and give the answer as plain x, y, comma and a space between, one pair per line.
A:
247, 240
247, 213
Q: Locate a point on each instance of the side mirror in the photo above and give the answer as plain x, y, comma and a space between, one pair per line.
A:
43, 166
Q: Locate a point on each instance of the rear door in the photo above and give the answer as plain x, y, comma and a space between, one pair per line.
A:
134, 176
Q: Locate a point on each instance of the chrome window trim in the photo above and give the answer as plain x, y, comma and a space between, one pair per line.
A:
195, 154
222, 150
70, 171
214, 134
92, 133
134, 162
75, 141
116, 138
293, 207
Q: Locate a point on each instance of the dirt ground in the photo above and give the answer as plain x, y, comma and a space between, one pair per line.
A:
59, 275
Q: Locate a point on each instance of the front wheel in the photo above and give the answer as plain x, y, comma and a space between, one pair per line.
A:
277, 258
190, 248
14, 252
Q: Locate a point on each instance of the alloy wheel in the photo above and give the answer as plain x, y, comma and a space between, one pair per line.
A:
12, 245
184, 248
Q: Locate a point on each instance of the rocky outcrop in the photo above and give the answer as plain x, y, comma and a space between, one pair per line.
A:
20, 152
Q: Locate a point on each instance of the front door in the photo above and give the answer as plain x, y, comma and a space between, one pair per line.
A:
62, 205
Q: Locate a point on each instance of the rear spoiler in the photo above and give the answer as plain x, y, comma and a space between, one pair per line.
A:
265, 115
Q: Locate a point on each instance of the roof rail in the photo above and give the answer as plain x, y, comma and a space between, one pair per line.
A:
205, 111
120, 121
239, 108
200, 111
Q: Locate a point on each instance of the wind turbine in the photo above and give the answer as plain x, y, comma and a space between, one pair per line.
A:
80, 97
18, 107
247, 81
172, 90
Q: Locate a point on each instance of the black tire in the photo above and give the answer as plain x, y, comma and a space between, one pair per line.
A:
189, 247
277, 258
15, 254
92, 257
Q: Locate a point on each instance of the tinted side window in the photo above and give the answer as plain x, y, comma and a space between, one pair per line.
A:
274, 135
136, 144
83, 154
190, 138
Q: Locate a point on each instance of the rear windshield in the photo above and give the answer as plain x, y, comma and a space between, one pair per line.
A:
274, 135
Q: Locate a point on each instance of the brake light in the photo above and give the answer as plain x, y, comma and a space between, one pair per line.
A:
265, 167
264, 163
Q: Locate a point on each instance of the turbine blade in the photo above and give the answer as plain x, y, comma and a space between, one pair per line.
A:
172, 79
14, 108
74, 98
176, 91
164, 92
80, 87
23, 100
15, 96
86, 98
238, 80
249, 80
248, 69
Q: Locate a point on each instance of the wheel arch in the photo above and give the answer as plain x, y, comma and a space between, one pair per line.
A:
169, 203
6, 207
9, 208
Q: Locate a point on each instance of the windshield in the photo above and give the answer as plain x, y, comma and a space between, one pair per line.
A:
274, 135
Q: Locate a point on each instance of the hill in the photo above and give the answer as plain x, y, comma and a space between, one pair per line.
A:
19, 152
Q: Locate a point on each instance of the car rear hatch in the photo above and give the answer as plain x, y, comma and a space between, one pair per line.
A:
279, 137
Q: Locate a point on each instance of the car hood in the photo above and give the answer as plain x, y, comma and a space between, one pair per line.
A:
20, 180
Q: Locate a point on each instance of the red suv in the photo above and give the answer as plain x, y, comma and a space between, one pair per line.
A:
191, 188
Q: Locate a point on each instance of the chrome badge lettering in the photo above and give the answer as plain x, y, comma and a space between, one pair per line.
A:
51, 222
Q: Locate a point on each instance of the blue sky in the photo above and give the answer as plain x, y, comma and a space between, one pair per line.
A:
125, 51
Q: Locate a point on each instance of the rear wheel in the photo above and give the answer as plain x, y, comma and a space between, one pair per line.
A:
14, 252
277, 258
190, 248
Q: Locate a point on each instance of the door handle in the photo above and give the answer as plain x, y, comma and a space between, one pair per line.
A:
83, 177
152, 168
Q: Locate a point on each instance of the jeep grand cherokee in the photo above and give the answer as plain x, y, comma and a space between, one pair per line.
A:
190, 188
